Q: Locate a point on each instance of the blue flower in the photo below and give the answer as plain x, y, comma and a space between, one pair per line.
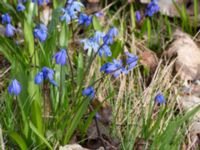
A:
105, 49
115, 68
137, 16
14, 87
89, 92
45, 74
71, 10
61, 57
131, 61
160, 98
90, 43
99, 14
85, 19
152, 8
98, 36
39, 78
40, 2
112, 33
6, 18
10, 30
40, 32
75, 6
20, 7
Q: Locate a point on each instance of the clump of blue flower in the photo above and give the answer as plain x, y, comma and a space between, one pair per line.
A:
116, 67
40, 32
70, 12
10, 30
61, 57
160, 99
89, 91
14, 87
152, 8
45, 74
84, 19
101, 42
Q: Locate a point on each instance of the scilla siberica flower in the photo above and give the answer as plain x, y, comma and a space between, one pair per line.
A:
61, 57
14, 87
84, 19
45, 74
10, 30
5, 18
40, 2
160, 98
89, 92
152, 8
71, 10
115, 68
131, 61
137, 16
108, 38
20, 7
105, 49
40, 32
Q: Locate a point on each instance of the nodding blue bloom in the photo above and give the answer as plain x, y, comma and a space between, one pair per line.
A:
85, 19
74, 5
40, 2
152, 8
71, 11
39, 78
137, 16
10, 30
160, 98
99, 14
20, 7
105, 49
61, 57
131, 61
89, 92
65, 16
115, 68
90, 43
45, 74
40, 32
6, 18
112, 33
98, 36
14, 87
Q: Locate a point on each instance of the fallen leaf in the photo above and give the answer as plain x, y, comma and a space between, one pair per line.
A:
187, 52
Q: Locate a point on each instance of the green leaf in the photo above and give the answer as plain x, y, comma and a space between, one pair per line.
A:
35, 130
76, 119
19, 140
96, 23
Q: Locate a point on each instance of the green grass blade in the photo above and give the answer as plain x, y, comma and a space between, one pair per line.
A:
19, 140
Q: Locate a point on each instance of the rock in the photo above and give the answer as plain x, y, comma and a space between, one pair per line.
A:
187, 64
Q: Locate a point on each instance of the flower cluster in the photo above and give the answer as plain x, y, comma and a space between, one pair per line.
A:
116, 67
101, 42
10, 30
45, 74
40, 32
152, 8
71, 11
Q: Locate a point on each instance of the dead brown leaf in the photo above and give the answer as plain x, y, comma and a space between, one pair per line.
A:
188, 54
